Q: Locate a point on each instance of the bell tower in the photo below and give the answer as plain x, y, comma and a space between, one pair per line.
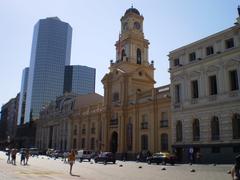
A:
131, 46
131, 71
130, 75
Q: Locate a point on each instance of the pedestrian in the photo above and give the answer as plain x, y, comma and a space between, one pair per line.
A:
198, 157
14, 153
8, 153
65, 155
71, 159
27, 156
23, 157
235, 171
191, 151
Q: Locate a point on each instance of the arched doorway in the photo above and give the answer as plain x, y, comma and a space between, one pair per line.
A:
114, 142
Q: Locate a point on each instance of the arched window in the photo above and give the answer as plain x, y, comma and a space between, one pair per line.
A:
129, 136
196, 130
215, 128
92, 143
179, 131
164, 142
123, 54
236, 126
139, 56
144, 142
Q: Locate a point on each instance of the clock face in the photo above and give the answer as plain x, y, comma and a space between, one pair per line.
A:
137, 25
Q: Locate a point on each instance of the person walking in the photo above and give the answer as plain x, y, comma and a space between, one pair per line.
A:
235, 171
8, 153
23, 157
27, 156
14, 153
71, 159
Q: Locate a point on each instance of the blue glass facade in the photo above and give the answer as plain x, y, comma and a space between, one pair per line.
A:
79, 79
51, 49
22, 98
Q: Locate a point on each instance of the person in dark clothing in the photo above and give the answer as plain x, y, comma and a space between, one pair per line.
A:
235, 172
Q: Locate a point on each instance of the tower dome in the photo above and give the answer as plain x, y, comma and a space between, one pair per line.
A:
132, 10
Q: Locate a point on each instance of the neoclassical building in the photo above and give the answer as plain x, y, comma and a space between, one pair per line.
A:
205, 96
133, 116
59, 126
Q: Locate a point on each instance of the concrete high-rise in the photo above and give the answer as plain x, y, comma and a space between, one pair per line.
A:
79, 79
22, 99
51, 49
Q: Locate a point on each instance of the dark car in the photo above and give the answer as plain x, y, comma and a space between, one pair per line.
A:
162, 157
105, 157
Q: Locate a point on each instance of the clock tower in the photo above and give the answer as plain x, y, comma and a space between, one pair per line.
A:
130, 74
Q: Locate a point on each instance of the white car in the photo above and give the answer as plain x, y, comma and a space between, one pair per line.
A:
84, 154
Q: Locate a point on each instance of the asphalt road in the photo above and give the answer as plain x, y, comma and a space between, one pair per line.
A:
46, 168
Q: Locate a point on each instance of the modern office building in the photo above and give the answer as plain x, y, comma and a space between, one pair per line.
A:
51, 48
23, 94
205, 78
79, 79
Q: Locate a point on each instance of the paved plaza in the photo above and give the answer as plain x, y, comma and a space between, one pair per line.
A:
46, 168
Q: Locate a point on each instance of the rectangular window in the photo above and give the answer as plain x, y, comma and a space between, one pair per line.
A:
229, 43
164, 120
233, 79
213, 85
194, 85
176, 62
209, 50
177, 93
192, 56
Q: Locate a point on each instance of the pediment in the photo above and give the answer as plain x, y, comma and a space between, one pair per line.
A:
212, 68
141, 74
177, 78
194, 74
232, 62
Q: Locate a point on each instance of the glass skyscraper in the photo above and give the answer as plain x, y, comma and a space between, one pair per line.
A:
51, 49
22, 99
79, 79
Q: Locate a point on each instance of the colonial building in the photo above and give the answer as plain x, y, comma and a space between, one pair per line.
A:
205, 96
133, 116
59, 123
136, 116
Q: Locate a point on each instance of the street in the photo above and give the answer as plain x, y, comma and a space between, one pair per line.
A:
47, 168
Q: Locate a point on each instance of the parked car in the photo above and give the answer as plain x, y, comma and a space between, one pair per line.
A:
105, 157
161, 157
142, 156
57, 154
85, 154
34, 151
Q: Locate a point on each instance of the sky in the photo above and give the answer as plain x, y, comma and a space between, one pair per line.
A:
168, 24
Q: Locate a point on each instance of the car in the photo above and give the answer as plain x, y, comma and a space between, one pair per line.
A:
57, 154
34, 151
49, 152
105, 157
85, 154
161, 157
